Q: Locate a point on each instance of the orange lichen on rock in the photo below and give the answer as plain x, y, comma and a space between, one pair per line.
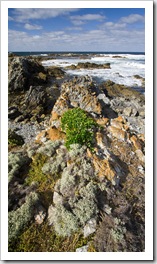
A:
103, 167
52, 134
136, 142
118, 133
120, 119
102, 121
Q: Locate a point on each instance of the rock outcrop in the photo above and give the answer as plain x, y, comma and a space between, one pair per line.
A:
89, 66
82, 198
23, 73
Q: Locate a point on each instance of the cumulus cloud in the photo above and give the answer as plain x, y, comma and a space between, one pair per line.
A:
92, 40
133, 18
111, 25
26, 14
81, 19
32, 27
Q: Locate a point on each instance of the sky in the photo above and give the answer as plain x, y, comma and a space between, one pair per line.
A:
76, 29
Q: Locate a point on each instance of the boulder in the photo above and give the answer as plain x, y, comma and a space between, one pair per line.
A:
36, 97
79, 92
24, 72
89, 65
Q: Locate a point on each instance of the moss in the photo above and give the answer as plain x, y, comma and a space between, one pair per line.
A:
35, 173
43, 238
45, 181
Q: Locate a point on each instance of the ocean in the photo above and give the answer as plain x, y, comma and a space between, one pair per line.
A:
125, 66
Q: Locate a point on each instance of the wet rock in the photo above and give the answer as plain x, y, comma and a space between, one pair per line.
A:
55, 72
88, 65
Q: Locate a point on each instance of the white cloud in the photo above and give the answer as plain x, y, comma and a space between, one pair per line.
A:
10, 18
32, 27
111, 25
26, 14
132, 19
92, 40
81, 19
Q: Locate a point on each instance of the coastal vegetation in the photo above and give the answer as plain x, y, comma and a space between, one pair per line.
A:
76, 162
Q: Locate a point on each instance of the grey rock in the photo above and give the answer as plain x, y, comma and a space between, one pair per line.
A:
57, 198
90, 227
104, 98
40, 214
82, 249
127, 111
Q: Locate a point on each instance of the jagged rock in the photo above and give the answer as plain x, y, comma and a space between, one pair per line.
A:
82, 249
102, 121
136, 142
36, 97
140, 155
90, 227
51, 133
57, 198
80, 92
127, 111
118, 133
56, 72
23, 73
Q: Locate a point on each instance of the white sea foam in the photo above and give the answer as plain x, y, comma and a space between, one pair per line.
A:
123, 68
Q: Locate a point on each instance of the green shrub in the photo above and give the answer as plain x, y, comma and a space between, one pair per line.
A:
79, 127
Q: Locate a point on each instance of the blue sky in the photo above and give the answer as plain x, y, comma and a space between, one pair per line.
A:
76, 29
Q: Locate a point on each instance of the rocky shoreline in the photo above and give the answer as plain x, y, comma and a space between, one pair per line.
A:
86, 198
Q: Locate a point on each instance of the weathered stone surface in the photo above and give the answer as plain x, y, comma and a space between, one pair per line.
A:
51, 133
118, 133
82, 249
36, 97
90, 227
55, 72
103, 121
136, 142
116, 124
40, 214
140, 155
24, 72
76, 93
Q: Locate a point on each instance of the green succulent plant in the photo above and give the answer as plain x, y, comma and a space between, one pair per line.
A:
79, 127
